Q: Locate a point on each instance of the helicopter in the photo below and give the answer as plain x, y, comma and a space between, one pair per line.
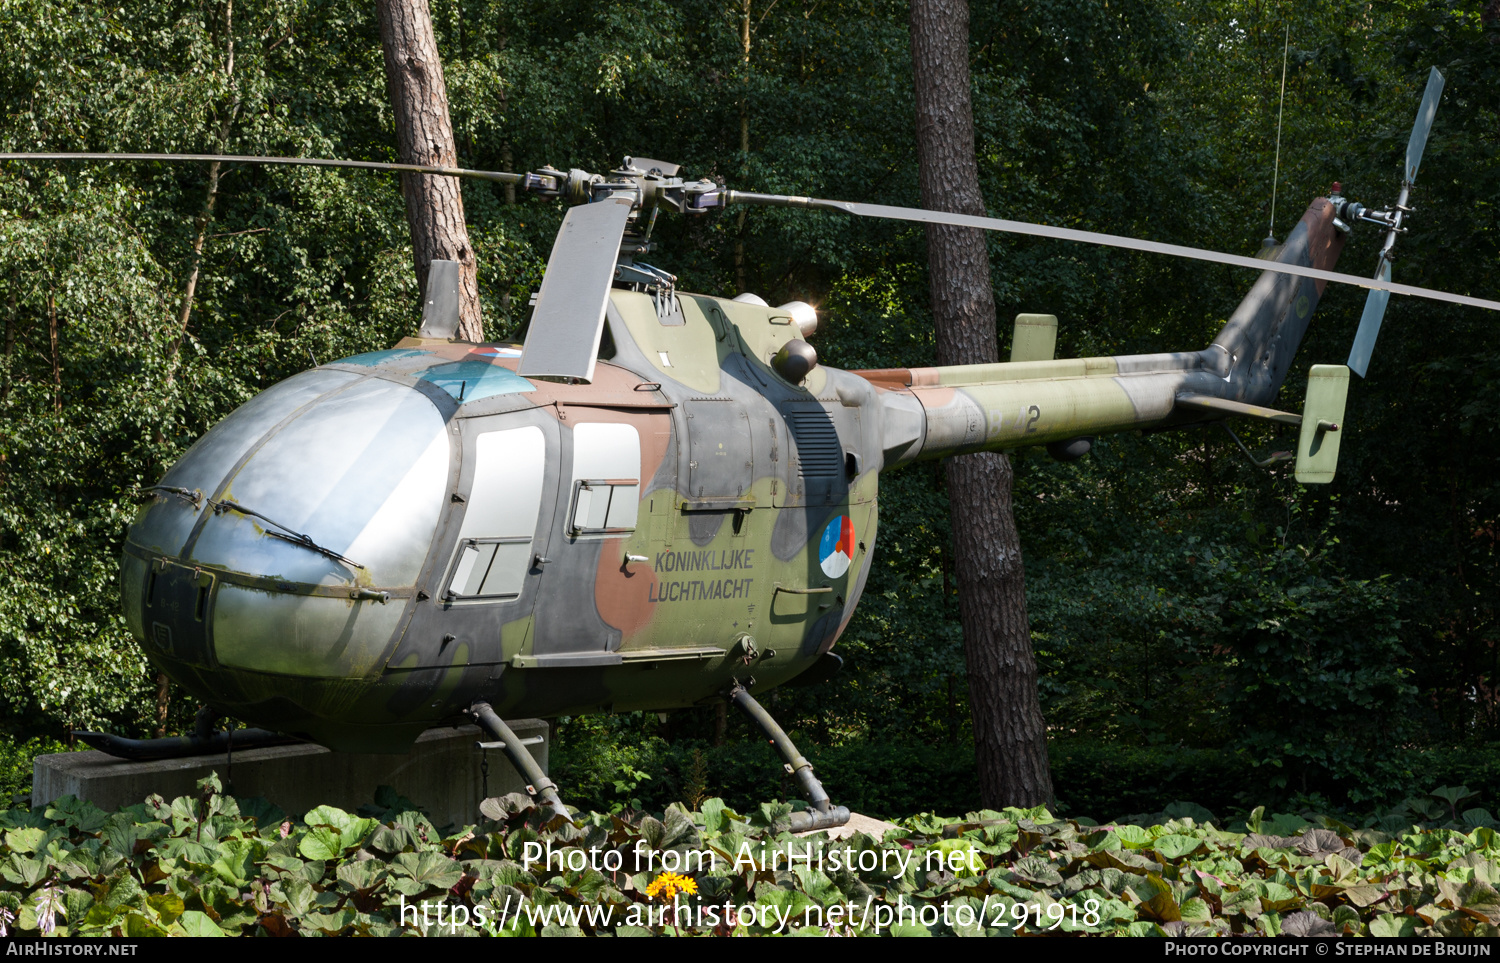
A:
655, 500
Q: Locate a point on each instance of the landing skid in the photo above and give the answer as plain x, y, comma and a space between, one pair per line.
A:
205, 741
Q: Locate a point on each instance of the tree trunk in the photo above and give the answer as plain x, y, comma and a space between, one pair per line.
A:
1009, 735
206, 217
163, 704
190, 289
6, 380
10, 348
56, 354
424, 135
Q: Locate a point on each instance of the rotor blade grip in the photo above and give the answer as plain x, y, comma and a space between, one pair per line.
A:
1423, 126
664, 168
563, 341
1369, 328
785, 200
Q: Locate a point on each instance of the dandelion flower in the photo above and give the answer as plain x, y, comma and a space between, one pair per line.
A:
668, 885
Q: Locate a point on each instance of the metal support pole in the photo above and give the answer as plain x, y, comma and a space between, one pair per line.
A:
538, 786
822, 814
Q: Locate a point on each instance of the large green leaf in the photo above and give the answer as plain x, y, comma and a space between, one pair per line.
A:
1133, 837
1388, 925
1173, 847
428, 870
361, 876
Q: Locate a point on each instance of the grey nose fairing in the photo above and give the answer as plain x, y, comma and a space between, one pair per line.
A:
272, 571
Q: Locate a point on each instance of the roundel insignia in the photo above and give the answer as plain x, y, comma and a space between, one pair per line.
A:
836, 549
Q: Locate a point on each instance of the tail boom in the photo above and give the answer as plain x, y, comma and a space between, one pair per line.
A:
991, 407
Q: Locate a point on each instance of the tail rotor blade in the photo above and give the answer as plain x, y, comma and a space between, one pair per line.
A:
1420, 129
1378, 299
1369, 326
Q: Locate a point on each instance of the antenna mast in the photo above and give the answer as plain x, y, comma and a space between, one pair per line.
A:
1276, 166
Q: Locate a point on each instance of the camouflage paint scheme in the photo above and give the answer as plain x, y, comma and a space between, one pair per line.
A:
414, 462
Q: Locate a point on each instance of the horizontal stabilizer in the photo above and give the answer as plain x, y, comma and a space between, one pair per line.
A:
1188, 399
1322, 423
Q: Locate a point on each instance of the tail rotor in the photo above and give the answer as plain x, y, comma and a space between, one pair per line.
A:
1375, 303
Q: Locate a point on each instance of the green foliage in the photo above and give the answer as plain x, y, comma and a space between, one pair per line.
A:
601, 761
1105, 781
211, 865
104, 381
1289, 663
16, 760
1320, 687
1101, 780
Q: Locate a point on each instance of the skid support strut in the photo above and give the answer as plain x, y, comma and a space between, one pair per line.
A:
538, 786
822, 814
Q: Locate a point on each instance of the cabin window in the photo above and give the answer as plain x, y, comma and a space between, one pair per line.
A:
606, 479
495, 541
605, 506
488, 567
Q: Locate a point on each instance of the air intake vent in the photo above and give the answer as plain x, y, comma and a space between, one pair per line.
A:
819, 454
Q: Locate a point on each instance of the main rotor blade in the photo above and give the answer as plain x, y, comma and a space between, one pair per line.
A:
1423, 126
563, 340
500, 177
1092, 237
1369, 327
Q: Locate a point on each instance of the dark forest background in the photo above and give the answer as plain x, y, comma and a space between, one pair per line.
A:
1188, 609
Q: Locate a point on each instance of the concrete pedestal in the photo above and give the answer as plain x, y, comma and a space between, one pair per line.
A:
442, 774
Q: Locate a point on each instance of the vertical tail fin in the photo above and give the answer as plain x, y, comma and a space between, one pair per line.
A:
1256, 346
